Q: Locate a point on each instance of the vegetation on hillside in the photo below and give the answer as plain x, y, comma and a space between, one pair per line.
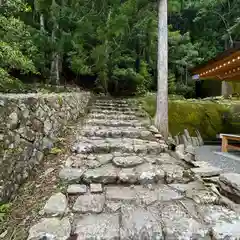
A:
112, 42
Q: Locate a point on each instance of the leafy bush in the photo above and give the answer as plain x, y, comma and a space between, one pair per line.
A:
185, 90
126, 81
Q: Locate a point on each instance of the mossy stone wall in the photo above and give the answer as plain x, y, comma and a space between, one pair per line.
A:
209, 117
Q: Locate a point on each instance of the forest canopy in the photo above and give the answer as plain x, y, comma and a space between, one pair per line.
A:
112, 44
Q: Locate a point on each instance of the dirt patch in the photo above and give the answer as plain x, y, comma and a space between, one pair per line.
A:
24, 209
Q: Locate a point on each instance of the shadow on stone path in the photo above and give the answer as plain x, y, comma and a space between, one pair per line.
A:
120, 182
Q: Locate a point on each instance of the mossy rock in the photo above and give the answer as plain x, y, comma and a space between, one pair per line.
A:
210, 118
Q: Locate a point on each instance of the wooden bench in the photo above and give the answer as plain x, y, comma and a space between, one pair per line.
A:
225, 144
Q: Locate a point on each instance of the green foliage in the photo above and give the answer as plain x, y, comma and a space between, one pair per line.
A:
17, 50
112, 41
55, 151
4, 209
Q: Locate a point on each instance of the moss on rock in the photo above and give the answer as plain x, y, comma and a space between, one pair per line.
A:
210, 118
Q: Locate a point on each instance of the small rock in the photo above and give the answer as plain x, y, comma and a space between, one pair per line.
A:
158, 135
51, 229
128, 175
173, 173
96, 188
82, 148
13, 120
2, 235
77, 189
48, 171
89, 203
153, 129
56, 205
113, 206
71, 174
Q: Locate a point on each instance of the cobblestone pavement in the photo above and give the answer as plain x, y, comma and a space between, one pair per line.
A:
122, 183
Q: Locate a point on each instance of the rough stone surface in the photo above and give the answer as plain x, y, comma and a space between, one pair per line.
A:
207, 171
140, 223
120, 193
128, 175
113, 206
56, 205
178, 225
224, 223
153, 129
230, 182
71, 174
77, 189
29, 125
50, 229
89, 203
101, 226
148, 173
173, 173
136, 188
96, 188
156, 194
105, 174
128, 161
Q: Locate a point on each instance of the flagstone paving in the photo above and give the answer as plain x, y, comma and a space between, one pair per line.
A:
121, 182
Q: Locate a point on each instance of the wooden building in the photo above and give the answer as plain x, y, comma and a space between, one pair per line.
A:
224, 68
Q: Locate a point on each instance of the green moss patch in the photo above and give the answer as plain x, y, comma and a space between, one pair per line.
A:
210, 118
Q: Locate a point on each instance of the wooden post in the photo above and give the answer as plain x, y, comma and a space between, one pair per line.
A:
224, 144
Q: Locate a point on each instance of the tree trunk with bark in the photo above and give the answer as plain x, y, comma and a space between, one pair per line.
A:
54, 72
42, 25
161, 117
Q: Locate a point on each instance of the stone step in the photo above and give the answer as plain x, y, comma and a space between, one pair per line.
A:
112, 116
94, 160
113, 132
122, 168
114, 112
111, 101
116, 123
136, 212
108, 145
111, 104
121, 109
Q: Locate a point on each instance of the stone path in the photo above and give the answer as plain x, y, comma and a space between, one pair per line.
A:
121, 182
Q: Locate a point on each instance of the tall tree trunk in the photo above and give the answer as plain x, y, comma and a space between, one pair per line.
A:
161, 117
54, 72
42, 25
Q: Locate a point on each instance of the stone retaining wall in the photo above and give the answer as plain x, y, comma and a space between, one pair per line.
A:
29, 123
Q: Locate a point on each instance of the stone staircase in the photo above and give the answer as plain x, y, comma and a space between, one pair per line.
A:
122, 183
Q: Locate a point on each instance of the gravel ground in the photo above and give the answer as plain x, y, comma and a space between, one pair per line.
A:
230, 162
